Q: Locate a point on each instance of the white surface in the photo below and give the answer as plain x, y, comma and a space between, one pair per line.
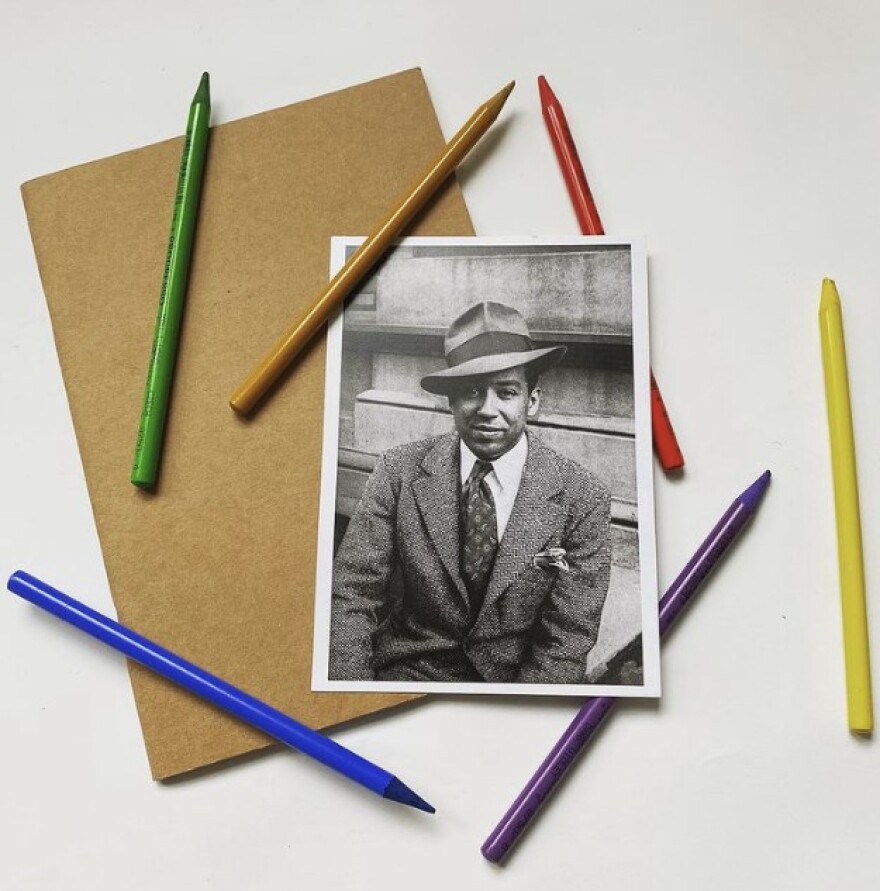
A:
743, 139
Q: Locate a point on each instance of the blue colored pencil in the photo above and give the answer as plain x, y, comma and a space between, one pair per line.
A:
215, 690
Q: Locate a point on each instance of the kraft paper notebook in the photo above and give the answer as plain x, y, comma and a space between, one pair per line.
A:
219, 563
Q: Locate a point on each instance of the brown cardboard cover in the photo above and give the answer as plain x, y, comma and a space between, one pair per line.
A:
218, 564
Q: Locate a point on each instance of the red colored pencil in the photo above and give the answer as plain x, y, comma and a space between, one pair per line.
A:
665, 443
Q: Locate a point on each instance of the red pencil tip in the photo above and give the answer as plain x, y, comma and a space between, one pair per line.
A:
544, 91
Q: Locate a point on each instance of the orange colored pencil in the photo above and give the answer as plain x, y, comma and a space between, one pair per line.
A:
665, 442
273, 364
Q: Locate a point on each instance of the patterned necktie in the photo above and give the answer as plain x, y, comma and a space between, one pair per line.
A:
479, 542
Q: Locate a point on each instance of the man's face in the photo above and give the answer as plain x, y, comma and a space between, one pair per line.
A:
490, 412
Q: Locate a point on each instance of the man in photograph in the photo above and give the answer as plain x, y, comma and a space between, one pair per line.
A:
480, 555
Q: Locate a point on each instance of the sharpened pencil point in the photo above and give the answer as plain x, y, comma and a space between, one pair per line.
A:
496, 103
401, 793
830, 296
752, 496
547, 95
203, 91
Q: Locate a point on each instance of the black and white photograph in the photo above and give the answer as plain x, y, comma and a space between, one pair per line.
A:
486, 520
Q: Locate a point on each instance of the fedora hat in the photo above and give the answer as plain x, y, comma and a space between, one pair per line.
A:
487, 338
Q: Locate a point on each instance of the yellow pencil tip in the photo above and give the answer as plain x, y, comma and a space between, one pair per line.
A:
829, 293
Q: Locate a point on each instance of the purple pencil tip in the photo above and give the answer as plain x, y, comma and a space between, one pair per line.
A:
401, 793
752, 496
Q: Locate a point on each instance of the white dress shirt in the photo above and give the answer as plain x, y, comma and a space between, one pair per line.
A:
504, 479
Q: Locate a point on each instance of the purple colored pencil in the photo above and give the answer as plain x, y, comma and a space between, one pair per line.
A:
591, 714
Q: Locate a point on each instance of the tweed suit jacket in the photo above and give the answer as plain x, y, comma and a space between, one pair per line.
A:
400, 609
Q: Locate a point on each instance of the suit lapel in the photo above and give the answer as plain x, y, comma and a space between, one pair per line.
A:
536, 516
436, 493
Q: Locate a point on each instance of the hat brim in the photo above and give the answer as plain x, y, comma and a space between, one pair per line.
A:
443, 382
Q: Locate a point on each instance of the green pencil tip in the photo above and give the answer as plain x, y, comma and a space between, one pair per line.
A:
203, 93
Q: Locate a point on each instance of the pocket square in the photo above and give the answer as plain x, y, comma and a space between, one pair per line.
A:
552, 558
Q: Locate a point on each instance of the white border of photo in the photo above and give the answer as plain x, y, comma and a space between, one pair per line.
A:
650, 687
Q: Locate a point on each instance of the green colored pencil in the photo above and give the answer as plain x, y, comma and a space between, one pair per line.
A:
151, 432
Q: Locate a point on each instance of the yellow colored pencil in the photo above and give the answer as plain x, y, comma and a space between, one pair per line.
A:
857, 658
293, 341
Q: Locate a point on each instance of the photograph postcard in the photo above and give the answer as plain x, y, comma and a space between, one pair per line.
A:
486, 514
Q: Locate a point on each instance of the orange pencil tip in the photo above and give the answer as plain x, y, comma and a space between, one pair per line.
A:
496, 103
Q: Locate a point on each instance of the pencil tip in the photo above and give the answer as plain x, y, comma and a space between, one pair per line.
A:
752, 496
547, 95
829, 291
496, 103
506, 91
203, 91
401, 793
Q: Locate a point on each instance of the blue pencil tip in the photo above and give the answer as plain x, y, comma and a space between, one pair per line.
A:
401, 793
752, 496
